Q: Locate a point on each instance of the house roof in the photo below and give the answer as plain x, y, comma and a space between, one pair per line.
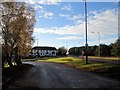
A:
44, 48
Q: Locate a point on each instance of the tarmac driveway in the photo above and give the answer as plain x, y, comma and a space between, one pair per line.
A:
51, 75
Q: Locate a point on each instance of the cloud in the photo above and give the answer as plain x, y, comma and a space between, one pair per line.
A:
76, 17
37, 7
80, 21
66, 30
64, 15
45, 2
103, 41
105, 22
67, 7
46, 15
43, 13
28, 1
31, 1
69, 38
49, 2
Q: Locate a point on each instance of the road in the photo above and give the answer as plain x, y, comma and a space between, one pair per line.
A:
105, 61
51, 75
99, 60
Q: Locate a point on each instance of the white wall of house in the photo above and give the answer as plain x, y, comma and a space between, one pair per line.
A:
44, 52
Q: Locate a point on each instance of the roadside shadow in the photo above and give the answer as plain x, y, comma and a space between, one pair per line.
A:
11, 74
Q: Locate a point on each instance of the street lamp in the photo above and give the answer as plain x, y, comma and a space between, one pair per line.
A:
86, 45
37, 41
66, 46
98, 41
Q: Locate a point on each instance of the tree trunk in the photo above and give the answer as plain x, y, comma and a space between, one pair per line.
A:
17, 58
9, 63
8, 60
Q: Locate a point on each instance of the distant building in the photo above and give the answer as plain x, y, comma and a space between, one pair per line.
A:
41, 51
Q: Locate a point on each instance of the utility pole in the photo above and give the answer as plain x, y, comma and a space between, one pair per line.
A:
86, 45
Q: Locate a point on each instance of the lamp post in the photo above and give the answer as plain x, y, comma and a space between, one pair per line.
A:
98, 41
66, 46
86, 45
37, 41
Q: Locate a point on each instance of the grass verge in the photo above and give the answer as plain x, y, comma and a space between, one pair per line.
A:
106, 69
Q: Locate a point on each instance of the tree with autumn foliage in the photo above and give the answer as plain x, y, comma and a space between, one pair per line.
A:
17, 23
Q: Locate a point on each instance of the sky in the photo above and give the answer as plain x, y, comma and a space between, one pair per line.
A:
62, 23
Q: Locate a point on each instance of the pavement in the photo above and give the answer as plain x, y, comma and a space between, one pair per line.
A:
52, 75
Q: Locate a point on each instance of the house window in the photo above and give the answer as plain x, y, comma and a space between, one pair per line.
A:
53, 52
46, 52
39, 51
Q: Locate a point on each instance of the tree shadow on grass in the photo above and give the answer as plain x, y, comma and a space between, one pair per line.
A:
10, 74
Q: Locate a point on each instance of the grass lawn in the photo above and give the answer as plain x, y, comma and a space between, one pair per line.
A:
6, 64
34, 59
106, 69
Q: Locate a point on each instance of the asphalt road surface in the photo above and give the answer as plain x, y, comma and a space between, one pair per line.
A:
99, 60
106, 61
51, 75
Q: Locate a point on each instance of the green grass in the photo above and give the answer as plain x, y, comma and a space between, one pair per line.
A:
111, 70
78, 63
28, 59
6, 64
59, 60
34, 59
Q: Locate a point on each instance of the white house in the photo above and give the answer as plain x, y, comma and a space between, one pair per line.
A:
40, 51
